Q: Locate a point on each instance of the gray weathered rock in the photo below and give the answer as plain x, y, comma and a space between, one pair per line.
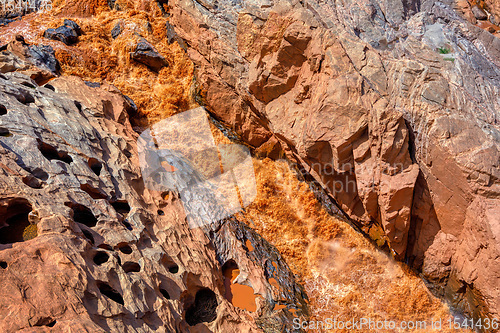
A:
479, 13
64, 34
73, 25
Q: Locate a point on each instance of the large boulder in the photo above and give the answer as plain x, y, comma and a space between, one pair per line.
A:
67, 33
146, 54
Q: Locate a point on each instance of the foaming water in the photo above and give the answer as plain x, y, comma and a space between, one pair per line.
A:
346, 277
97, 57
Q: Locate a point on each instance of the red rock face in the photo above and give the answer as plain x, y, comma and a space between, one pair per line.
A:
399, 125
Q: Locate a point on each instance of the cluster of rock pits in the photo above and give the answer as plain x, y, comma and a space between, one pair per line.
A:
86, 247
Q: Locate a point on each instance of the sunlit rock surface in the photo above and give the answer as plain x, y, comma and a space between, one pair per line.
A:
391, 106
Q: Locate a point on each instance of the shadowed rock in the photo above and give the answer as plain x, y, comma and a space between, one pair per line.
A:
67, 33
64, 34
146, 54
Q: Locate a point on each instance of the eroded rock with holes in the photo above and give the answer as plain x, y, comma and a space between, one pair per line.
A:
85, 246
392, 106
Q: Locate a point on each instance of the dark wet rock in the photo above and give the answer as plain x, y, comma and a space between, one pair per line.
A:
64, 34
117, 30
73, 25
43, 56
146, 54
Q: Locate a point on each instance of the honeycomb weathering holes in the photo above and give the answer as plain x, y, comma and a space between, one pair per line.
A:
46, 321
128, 225
15, 223
105, 247
109, 292
93, 192
5, 132
169, 264
49, 86
124, 248
100, 258
38, 173
52, 153
28, 84
130, 266
165, 293
121, 207
32, 182
82, 214
95, 166
204, 308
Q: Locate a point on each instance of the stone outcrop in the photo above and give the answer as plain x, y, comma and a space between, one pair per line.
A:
392, 106
146, 54
67, 33
36, 61
86, 247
